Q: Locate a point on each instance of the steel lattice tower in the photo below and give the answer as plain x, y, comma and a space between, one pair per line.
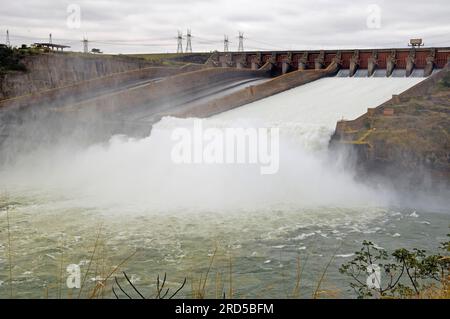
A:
7, 39
180, 42
85, 45
225, 43
188, 41
241, 42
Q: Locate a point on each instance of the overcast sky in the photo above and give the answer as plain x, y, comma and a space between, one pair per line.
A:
120, 26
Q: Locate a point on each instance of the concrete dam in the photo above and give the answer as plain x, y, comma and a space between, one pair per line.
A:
97, 152
369, 60
129, 102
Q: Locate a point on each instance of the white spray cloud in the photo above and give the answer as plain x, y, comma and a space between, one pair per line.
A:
138, 174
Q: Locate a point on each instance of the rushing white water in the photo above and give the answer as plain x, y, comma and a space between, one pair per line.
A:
58, 198
138, 175
323, 102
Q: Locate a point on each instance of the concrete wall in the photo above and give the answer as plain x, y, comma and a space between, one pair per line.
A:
47, 71
367, 59
106, 82
193, 67
257, 92
163, 90
344, 128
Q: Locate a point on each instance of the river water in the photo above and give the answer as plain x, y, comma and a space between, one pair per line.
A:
96, 206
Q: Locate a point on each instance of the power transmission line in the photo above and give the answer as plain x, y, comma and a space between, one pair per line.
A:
207, 41
160, 43
270, 45
136, 40
133, 44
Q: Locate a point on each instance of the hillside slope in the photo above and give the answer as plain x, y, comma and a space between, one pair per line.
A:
406, 138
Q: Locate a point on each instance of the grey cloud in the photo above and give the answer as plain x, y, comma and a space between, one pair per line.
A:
266, 23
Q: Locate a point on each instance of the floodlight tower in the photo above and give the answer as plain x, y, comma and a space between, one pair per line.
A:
188, 41
225, 43
241, 42
180, 42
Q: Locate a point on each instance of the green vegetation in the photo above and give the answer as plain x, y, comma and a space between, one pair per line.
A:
414, 140
155, 57
402, 274
10, 59
173, 59
445, 82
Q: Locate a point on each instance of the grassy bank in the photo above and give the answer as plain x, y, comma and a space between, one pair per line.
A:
173, 59
408, 138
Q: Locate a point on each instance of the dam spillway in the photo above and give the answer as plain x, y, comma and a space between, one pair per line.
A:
325, 101
130, 102
305, 115
353, 60
176, 214
133, 103
131, 109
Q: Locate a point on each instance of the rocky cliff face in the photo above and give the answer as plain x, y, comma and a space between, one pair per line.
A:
407, 138
46, 71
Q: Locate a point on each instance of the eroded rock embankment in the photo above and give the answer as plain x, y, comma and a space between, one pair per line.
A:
406, 139
47, 71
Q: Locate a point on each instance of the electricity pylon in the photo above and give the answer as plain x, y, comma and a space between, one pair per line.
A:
180, 42
85, 45
225, 43
241, 42
188, 41
8, 44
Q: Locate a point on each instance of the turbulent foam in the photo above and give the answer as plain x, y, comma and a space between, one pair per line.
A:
138, 175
